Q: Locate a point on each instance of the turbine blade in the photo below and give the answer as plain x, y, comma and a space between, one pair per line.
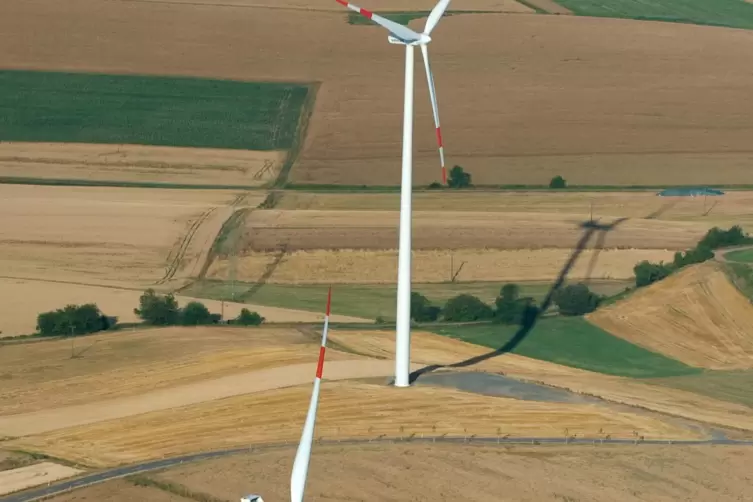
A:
400, 31
303, 455
435, 16
434, 109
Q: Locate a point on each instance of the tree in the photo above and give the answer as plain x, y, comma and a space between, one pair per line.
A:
576, 299
558, 182
459, 178
248, 318
195, 314
421, 309
648, 273
509, 306
74, 320
699, 254
158, 310
717, 238
466, 308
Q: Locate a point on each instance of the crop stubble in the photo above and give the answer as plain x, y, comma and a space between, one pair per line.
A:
139, 163
696, 316
34, 475
614, 112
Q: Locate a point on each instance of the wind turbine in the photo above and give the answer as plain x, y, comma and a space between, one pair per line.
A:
402, 35
303, 455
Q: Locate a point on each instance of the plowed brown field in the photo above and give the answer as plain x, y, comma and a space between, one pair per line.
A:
381, 473
696, 316
523, 97
192, 166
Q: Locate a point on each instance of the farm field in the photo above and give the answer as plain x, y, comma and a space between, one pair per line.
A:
120, 490
111, 236
25, 299
374, 5
432, 266
613, 113
165, 111
346, 409
43, 376
377, 472
34, 475
113, 164
742, 256
696, 316
368, 300
732, 386
573, 342
731, 13
431, 349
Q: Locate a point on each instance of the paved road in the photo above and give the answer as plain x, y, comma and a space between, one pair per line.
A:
120, 472
720, 254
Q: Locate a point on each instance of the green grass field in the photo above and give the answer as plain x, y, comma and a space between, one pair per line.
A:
402, 17
573, 341
742, 256
741, 275
367, 301
163, 111
731, 13
732, 386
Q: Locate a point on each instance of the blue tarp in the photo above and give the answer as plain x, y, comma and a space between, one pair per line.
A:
689, 191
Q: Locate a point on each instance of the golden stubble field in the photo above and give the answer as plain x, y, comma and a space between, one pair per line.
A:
110, 236
346, 410
134, 163
696, 316
380, 267
476, 473
613, 112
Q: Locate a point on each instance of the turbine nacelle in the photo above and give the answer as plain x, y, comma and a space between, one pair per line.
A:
423, 39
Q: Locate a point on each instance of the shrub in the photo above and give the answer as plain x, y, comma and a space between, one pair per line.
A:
576, 299
248, 318
158, 310
195, 314
558, 182
648, 273
74, 320
459, 178
717, 238
421, 309
466, 308
435, 185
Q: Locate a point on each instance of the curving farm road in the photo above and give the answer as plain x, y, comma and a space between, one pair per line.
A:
120, 472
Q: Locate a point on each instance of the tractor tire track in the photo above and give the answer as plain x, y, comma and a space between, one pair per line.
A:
182, 248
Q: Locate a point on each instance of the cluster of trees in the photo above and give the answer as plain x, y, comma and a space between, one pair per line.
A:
163, 310
456, 178
647, 272
74, 320
154, 309
509, 307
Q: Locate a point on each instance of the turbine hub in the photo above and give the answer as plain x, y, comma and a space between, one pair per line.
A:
425, 39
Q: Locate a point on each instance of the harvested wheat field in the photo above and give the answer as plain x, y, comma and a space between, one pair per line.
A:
34, 475
24, 299
315, 229
110, 236
478, 473
429, 349
139, 163
380, 267
614, 112
374, 5
346, 409
121, 490
43, 376
696, 316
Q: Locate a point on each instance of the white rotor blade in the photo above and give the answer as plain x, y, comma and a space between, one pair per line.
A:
303, 455
436, 15
434, 108
402, 32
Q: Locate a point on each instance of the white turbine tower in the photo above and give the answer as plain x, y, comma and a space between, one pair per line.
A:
402, 35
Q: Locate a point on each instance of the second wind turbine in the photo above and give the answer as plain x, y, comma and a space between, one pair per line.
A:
402, 35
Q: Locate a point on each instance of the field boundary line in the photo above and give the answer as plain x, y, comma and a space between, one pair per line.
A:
307, 111
182, 247
466, 440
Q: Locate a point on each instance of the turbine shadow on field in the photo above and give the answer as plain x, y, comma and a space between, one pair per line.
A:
532, 314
